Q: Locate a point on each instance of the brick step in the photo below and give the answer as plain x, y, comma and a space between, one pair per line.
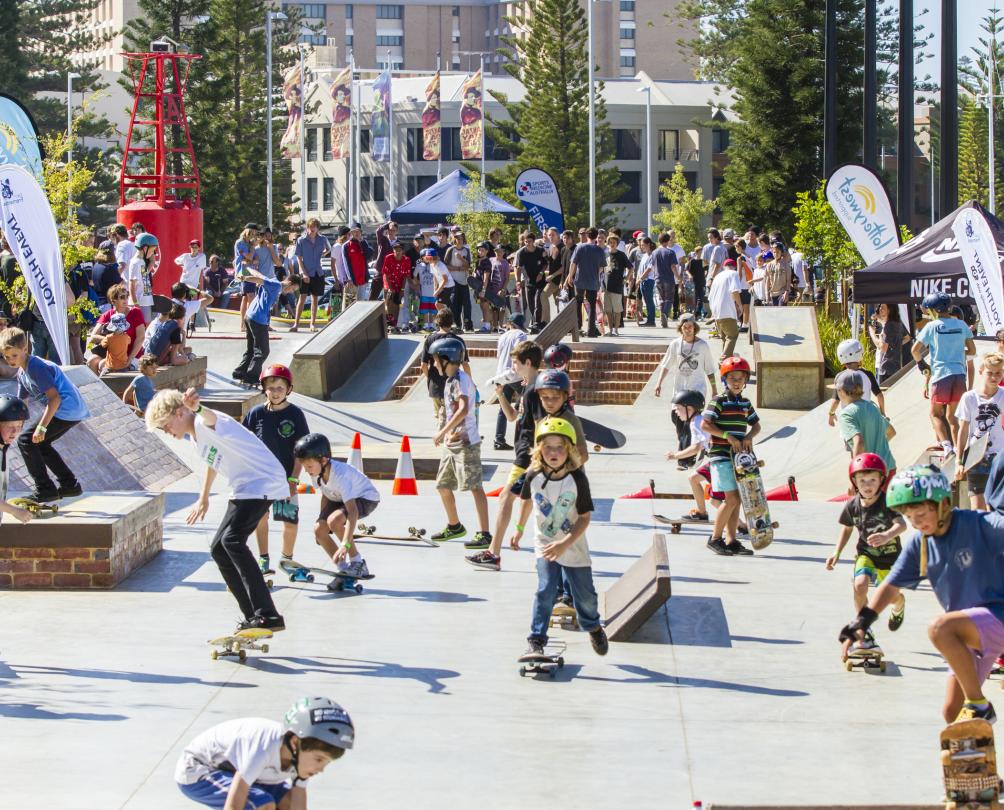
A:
644, 368
587, 377
606, 398
596, 386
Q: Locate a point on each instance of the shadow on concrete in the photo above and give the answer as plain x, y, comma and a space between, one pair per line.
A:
176, 501
602, 507
793, 558
418, 596
705, 581
32, 711
787, 339
644, 675
432, 678
169, 570
125, 675
761, 640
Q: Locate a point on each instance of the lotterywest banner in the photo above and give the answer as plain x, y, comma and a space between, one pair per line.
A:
930, 262
19, 144
292, 92
341, 114
30, 230
471, 119
431, 126
538, 192
860, 202
983, 266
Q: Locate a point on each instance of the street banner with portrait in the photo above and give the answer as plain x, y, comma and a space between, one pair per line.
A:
471, 119
380, 122
292, 92
431, 127
19, 143
341, 115
30, 230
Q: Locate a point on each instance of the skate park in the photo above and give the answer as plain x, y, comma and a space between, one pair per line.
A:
736, 676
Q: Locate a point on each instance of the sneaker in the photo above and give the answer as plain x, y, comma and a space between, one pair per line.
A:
717, 545
357, 568
975, 711
896, 619
450, 533
45, 495
265, 565
534, 647
71, 491
481, 540
273, 623
485, 560
742, 531
739, 549
598, 638
503, 446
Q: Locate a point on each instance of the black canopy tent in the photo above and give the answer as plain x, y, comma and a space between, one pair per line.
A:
930, 262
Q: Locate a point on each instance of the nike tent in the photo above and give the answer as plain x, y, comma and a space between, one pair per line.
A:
443, 199
927, 263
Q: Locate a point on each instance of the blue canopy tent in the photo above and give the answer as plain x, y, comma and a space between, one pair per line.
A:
443, 199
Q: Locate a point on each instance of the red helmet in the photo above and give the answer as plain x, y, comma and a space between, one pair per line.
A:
276, 370
734, 363
866, 461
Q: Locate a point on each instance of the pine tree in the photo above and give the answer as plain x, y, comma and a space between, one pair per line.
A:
549, 128
973, 160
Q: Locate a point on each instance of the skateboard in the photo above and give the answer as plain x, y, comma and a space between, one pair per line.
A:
865, 659
548, 663
974, 453
754, 500
298, 572
415, 535
600, 436
37, 508
563, 615
675, 524
969, 765
239, 643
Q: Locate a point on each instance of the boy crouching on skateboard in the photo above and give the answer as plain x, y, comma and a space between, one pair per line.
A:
258, 763
346, 496
13, 415
732, 423
556, 490
879, 528
256, 478
279, 424
959, 552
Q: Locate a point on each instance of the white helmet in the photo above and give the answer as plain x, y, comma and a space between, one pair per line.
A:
850, 351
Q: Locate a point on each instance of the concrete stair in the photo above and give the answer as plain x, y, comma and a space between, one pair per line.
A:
407, 380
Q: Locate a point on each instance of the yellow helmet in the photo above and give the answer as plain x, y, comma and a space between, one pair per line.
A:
554, 426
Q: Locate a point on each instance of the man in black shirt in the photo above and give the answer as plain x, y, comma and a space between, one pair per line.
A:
104, 272
530, 267
618, 266
435, 380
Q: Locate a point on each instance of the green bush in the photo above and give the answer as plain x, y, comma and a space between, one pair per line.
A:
831, 333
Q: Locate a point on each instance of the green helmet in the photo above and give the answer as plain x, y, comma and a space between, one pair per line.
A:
916, 484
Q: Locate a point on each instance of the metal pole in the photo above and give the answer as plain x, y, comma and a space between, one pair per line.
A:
69, 116
949, 107
268, 115
390, 129
930, 157
303, 131
356, 148
592, 115
350, 201
869, 152
481, 70
830, 90
648, 156
439, 160
904, 163
991, 203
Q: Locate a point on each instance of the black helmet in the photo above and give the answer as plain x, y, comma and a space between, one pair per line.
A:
450, 348
557, 355
689, 397
12, 409
937, 301
553, 378
313, 445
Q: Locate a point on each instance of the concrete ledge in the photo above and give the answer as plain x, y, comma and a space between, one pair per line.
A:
95, 541
329, 358
788, 357
234, 402
638, 593
564, 323
191, 375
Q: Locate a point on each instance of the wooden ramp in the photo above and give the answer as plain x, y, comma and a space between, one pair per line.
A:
788, 357
638, 593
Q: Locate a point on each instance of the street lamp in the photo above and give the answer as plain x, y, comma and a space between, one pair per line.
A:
269, 17
69, 113
592, 113
647, 89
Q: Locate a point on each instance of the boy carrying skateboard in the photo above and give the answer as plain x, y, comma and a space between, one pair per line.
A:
279, 424
346, 496
263, 764
732, 424
256, 479
979, 414
959, 551
556, 490
879, 528
13, 415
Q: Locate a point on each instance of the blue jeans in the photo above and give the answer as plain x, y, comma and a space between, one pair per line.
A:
580, 580
41, 342
648, 293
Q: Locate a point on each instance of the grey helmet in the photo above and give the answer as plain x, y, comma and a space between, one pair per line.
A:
320, 718
13, 409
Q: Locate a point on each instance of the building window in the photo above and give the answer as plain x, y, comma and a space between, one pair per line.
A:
329, 193
627, 62
388, 13
349, 39
716, 186
326, 143
415, 144
456, 11
627, 5
364, 140
348, 12
372, 189
417, 183
627, 33
314, 11
451, 143
495, 152
627, 144
378, 195
311, 193
719, 140
632, 194
310, 136
392, 40
669, 144
665, 177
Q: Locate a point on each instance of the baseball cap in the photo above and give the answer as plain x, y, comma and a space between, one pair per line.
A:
485, 245
729, 263
729, 234
194, 242
767, 256
345, 230
251, 226
118, 323
107, 245
518, 320
395, 245
638, 234
429, 252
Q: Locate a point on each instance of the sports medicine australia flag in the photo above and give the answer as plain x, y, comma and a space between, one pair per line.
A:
538, 192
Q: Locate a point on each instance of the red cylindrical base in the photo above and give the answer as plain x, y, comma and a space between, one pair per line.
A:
174, 224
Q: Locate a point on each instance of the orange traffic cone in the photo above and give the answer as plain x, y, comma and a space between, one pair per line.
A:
356, 454
640, 494
404, 477
785, 492
495, 492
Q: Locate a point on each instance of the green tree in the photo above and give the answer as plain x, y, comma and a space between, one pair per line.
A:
549, 128
686, 210
820, 237
474, 215
974, 171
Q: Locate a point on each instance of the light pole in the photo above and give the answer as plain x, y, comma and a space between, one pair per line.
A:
647, 89
991, 95
269, 17
592, 115
69, 114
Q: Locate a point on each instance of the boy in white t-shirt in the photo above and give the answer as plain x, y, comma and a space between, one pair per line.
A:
444, 283
262, 764
979, 413
346, 496
256, 478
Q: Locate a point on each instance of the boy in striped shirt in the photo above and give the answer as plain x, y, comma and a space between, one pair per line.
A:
732, 424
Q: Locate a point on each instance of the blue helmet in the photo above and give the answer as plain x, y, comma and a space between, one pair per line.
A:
937, 301
450, 348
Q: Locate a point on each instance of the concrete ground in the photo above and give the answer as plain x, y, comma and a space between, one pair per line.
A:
733, 695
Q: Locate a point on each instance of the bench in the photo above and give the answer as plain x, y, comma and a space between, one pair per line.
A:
331, 356
191, 375
94, 542
638, 593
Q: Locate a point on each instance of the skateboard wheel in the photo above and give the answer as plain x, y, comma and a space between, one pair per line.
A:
561, 663
269, 583
242, 656
522, 672
358, 588
264, 648
849, 665
552, 673
310, 577
674, 529
214, 654
596, 448
881, 666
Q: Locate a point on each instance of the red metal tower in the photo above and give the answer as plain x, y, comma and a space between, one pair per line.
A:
168, 199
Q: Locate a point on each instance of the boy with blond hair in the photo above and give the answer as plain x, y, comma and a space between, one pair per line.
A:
979, 414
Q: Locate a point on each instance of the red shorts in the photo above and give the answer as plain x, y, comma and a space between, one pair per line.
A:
705, 472
948, 390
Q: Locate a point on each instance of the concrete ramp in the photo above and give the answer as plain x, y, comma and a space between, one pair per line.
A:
787, 352
638, 593
374, 375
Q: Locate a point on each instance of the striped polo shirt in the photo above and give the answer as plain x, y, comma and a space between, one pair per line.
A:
733, 414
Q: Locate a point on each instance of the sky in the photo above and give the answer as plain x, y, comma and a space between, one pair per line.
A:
969, 33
